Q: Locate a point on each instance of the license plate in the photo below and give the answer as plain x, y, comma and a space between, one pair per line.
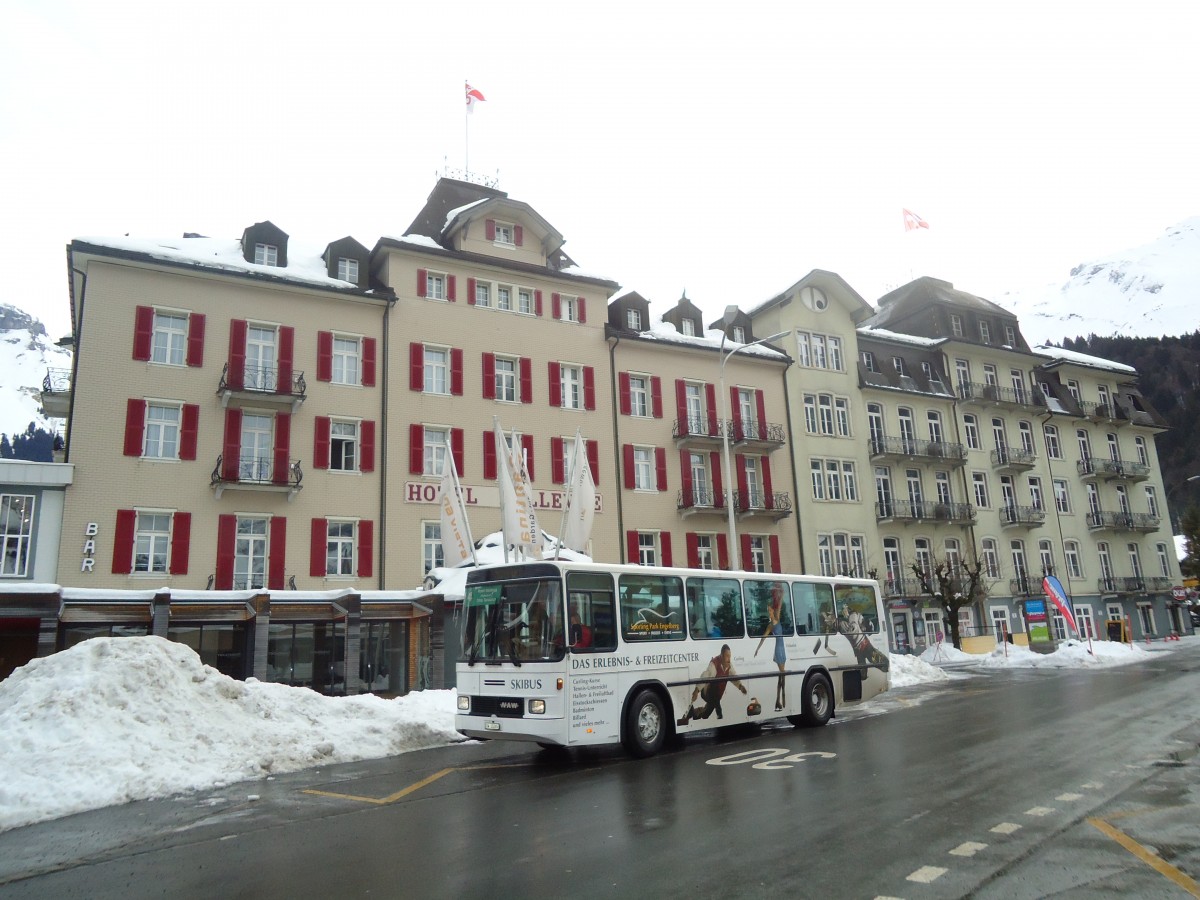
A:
491, 726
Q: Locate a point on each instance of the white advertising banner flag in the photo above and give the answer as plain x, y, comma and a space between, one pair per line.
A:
581, 500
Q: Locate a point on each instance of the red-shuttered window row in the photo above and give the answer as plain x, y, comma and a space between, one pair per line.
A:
433, 285
559, 465
639, 476
333, 543
426, 443
744, 425
653, 548
365, 355
696, 408
344, 445
161, 429
426, 449
439, 370
571, 386
151, 542
169, 337
640, 395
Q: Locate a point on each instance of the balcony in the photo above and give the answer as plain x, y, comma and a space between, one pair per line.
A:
995, 395
775, 505
697, 431
1024, 586
1103, 413
1101, 520
755, 435
908, 588
256, 473
924, 511
700, 501
1112, 469
921, 451
1157, 583
1022, 516
1013, 459
56, 393
259, 386
1121, 584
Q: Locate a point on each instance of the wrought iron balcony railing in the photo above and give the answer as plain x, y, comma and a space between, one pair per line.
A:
994, 393
700, 499
256, 471
907, 448
1013, 458
262, 379
1022, 515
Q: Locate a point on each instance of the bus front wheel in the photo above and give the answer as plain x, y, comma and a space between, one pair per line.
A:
818, 702
645, 725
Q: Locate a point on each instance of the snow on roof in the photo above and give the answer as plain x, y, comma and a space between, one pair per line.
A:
1082, 359
420, 240
899, 338
489, 551
668, 333
454, 213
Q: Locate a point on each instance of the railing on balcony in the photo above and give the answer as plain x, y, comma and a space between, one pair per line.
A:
776, 504
256, 473
1121, 584
1022, 515
56, 393
924, 511
994, 393
697, 428
1092, 466
1103, 412
902, 587
263, 383
755, 433
696, 500
1013, 458
1122, 521
1024, 586
906, 448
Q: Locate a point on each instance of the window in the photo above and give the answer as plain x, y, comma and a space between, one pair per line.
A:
256, 448
868, 359
346, 357
941, 482
1046, 555
758, 553
810, 414
483, 293
162, 431
990, 558
437, 371
687, 326
506, 379
647, 548
435, 286
169, 344
971, 430
570, 309
739, 334
825, 406
347, 269
985, 333
841, 411
705, 558
266, 255
1073, 390
434, 450
633, 319
343, 444
1053, 447
1152, 502
835, 354
817, 468
1062, 496
1143, 455
260, 371
16, 533
980, 486
956, 325
432, 554
250, 554
571, 386
819, 359
1026, 432
643, 470
1074, 564
639, 396
714, 608
1036, 499
1164, 565
339, 548
504, 297
504, 234
525, 301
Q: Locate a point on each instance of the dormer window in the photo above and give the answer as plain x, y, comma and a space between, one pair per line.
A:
633, 318
266, 255
347, 270
1010, 335
956, 325
504, 233
985, 333
688, 327
868, 359
739, 334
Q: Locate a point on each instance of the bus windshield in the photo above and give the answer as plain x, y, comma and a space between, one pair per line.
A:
514, 621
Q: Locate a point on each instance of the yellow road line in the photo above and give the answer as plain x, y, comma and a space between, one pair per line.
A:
392, 798
1154, 862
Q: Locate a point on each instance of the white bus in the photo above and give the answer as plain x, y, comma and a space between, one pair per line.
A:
568, 654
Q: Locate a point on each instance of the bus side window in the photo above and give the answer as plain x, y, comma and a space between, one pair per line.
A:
814, 608
760, 596
652, 607
715, 608
859, 601
591, 595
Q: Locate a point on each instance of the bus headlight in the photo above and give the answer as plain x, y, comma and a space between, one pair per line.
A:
537, 707
464, 702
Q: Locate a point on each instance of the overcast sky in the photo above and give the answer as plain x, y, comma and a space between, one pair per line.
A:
722, 150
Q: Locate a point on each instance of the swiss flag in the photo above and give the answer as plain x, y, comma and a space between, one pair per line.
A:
912, 221
473, 96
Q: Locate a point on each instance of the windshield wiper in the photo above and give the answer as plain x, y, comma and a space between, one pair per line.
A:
512, 654
473, 655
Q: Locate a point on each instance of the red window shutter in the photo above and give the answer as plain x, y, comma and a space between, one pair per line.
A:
556, 306
681, 406
181, 542
231, 449
237, 355
526, 368
456, 372
321, 433
277, 553
773, 541
143, 332
489, 226
416, 449
470, 291
625, 392
283, 447
416, 366
693, 549
555, 385
627, 460
745, 542
582, 309
422, 283
710, 397
122, 562
664, 543
518, 235
195, 340
527, 446
589, 387
557, 473
660, 467
189, 431
743, 484
685, 478
489, 456
366, 548
366, 457
451, 293
537, 303
457, 449
287, 349
324, 356
722, 552
714, 464
317, 547
631, 548
368, 362
593, 455
761, 403
737, 414
768, 493
226, 547
135, 422
656, 396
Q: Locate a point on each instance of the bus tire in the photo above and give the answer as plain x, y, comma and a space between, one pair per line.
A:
817, 705
645, 725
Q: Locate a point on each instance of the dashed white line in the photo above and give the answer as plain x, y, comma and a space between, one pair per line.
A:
1068, 798
1040, 811
927, 874
970, 848
1006, 828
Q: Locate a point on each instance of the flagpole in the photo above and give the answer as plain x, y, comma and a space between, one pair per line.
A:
458, 495
467, 134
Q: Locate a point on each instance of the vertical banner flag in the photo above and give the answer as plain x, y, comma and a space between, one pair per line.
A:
912, 221
515, 502
581, 500
1058, 596
535, 527
473, 97
456, 534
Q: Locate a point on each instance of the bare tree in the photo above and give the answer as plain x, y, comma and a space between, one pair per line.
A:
952, 588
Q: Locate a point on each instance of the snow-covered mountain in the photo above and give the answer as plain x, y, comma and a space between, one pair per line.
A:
26, 355
1149, 291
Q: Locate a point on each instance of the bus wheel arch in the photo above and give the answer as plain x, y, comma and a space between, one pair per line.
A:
646, 722
817, 700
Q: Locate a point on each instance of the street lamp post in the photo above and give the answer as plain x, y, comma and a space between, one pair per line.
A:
730, 311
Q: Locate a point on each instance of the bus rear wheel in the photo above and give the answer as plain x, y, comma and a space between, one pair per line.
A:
817, 703
645, 725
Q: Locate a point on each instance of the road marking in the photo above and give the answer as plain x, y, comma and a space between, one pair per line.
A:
927, 874
1069, 798
970, 848
1092, 785
1155, 862
404, 792
1040, 811
1006, 828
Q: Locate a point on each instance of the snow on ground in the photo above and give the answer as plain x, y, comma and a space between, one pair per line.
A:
134, 718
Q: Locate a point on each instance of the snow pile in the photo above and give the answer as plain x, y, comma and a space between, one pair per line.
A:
905, 671
1069, 654
130, 718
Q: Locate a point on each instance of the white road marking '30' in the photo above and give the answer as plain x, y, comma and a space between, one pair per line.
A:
768, 758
